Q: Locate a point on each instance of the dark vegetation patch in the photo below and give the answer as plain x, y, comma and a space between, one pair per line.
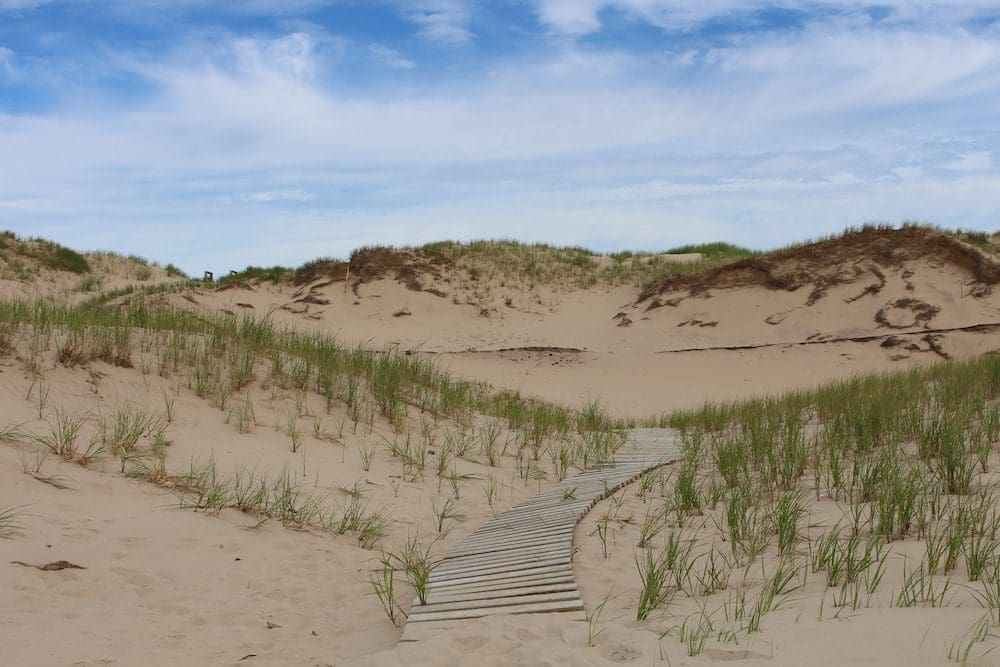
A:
873, 288
717, 251
323, 267
47, 253
828, 262
505, 261
368, 264
365, 265
920, 313
274, 274
174, 272
405, 266
985, 241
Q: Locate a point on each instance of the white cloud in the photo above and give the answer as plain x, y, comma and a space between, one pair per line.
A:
975, 161
822, 70
254, 7
7, 61
15, 5
580, 17
290, 57
574, 17
389, 57
444, 21
277, 195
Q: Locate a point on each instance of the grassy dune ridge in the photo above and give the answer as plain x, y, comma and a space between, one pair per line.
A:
513, 262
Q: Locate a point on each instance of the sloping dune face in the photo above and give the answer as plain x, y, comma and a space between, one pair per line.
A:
860, 283
871, 300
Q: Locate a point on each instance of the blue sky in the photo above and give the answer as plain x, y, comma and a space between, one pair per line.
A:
219, 134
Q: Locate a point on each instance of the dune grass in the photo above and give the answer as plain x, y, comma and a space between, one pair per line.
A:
513, 263
280, 497
49, 254
219, 355
274, 274
907, 457
10, 522
988, 243
221, 358
516, 264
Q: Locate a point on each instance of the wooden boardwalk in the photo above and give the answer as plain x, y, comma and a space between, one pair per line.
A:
519, 562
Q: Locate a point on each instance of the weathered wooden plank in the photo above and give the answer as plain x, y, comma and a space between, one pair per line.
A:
512, 540
510, 579
552, 515
570, 597
539, 513
529, 508
521, 563
528, 558
539, 589
525, 528
550, 570
429, 620
516, 530
494, 546
561, 545
562, 508
521, 527
556, 504
558, 551
541, 608
505, 584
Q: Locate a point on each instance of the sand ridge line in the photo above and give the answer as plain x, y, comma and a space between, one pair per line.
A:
984, 327
526, 348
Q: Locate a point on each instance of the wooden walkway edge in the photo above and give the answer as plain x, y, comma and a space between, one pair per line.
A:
520, 561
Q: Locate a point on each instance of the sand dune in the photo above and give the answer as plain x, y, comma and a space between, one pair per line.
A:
668, 354
160, 584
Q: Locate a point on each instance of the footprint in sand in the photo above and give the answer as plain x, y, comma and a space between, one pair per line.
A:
623, 653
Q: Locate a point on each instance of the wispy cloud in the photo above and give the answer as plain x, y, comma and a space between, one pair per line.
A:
6, 61
277, 196
390, 57
581, 17
976, 161
445, 21
290, 57
15, 5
